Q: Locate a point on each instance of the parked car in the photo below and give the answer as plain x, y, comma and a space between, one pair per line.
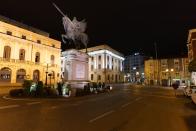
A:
189, 90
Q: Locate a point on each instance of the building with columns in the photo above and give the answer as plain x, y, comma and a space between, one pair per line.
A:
105, 64
27, 53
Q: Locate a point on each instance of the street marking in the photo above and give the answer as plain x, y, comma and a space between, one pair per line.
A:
125, 105
33, 103
161, 96
101, 116
137, 99
10, 106
18, 99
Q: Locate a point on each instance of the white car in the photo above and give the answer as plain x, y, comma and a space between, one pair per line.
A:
189, 90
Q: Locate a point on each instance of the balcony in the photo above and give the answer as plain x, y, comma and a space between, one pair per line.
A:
16, 61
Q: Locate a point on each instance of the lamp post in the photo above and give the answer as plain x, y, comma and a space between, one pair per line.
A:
46, 75
169, 77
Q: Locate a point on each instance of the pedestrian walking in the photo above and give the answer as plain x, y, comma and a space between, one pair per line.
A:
175, 86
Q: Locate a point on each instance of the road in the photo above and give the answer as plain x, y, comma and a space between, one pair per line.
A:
126, 108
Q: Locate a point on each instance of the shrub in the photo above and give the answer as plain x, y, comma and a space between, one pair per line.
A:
16, 92
39, 89
49, 92
80, 92
26, 85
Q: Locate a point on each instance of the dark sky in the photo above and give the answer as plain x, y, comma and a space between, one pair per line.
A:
125, 25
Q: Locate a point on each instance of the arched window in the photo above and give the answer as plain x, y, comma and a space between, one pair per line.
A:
20, 75
5, 75
52, 58
36, 74
7, 52
37, 57
22, 54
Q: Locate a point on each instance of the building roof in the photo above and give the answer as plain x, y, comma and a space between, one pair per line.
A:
24, 26
101, 47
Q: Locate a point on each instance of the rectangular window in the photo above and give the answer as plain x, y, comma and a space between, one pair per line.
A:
92, 67
39, 41
9, 33
99, 77
99, 66
23, 37
99, 58
91, 76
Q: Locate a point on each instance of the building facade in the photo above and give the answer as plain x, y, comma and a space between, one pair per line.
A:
27, 53
134, 68
105, 64
191, 44
166, 71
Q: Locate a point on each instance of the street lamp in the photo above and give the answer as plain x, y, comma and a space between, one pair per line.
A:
169, 77
46, 75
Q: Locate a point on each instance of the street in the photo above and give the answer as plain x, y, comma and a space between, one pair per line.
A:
126, 108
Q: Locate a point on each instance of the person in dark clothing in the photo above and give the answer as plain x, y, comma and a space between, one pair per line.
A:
59, 87
175, 86
103, 85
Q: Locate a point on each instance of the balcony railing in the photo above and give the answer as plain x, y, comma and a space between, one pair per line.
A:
25, 62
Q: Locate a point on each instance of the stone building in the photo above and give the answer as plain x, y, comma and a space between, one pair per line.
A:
27, 53
105, 64
166, 71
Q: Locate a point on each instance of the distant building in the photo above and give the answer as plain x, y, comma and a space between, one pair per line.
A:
192, 51
166, 71
105, 64
27, 53
191, 44
134, 68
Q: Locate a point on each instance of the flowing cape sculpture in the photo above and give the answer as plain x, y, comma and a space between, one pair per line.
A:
74, 30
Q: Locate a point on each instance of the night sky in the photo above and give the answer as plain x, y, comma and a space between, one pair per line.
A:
126, 25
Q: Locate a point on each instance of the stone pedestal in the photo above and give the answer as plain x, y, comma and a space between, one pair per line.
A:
75, 68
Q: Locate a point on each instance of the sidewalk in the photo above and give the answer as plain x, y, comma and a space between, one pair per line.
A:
6, 89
